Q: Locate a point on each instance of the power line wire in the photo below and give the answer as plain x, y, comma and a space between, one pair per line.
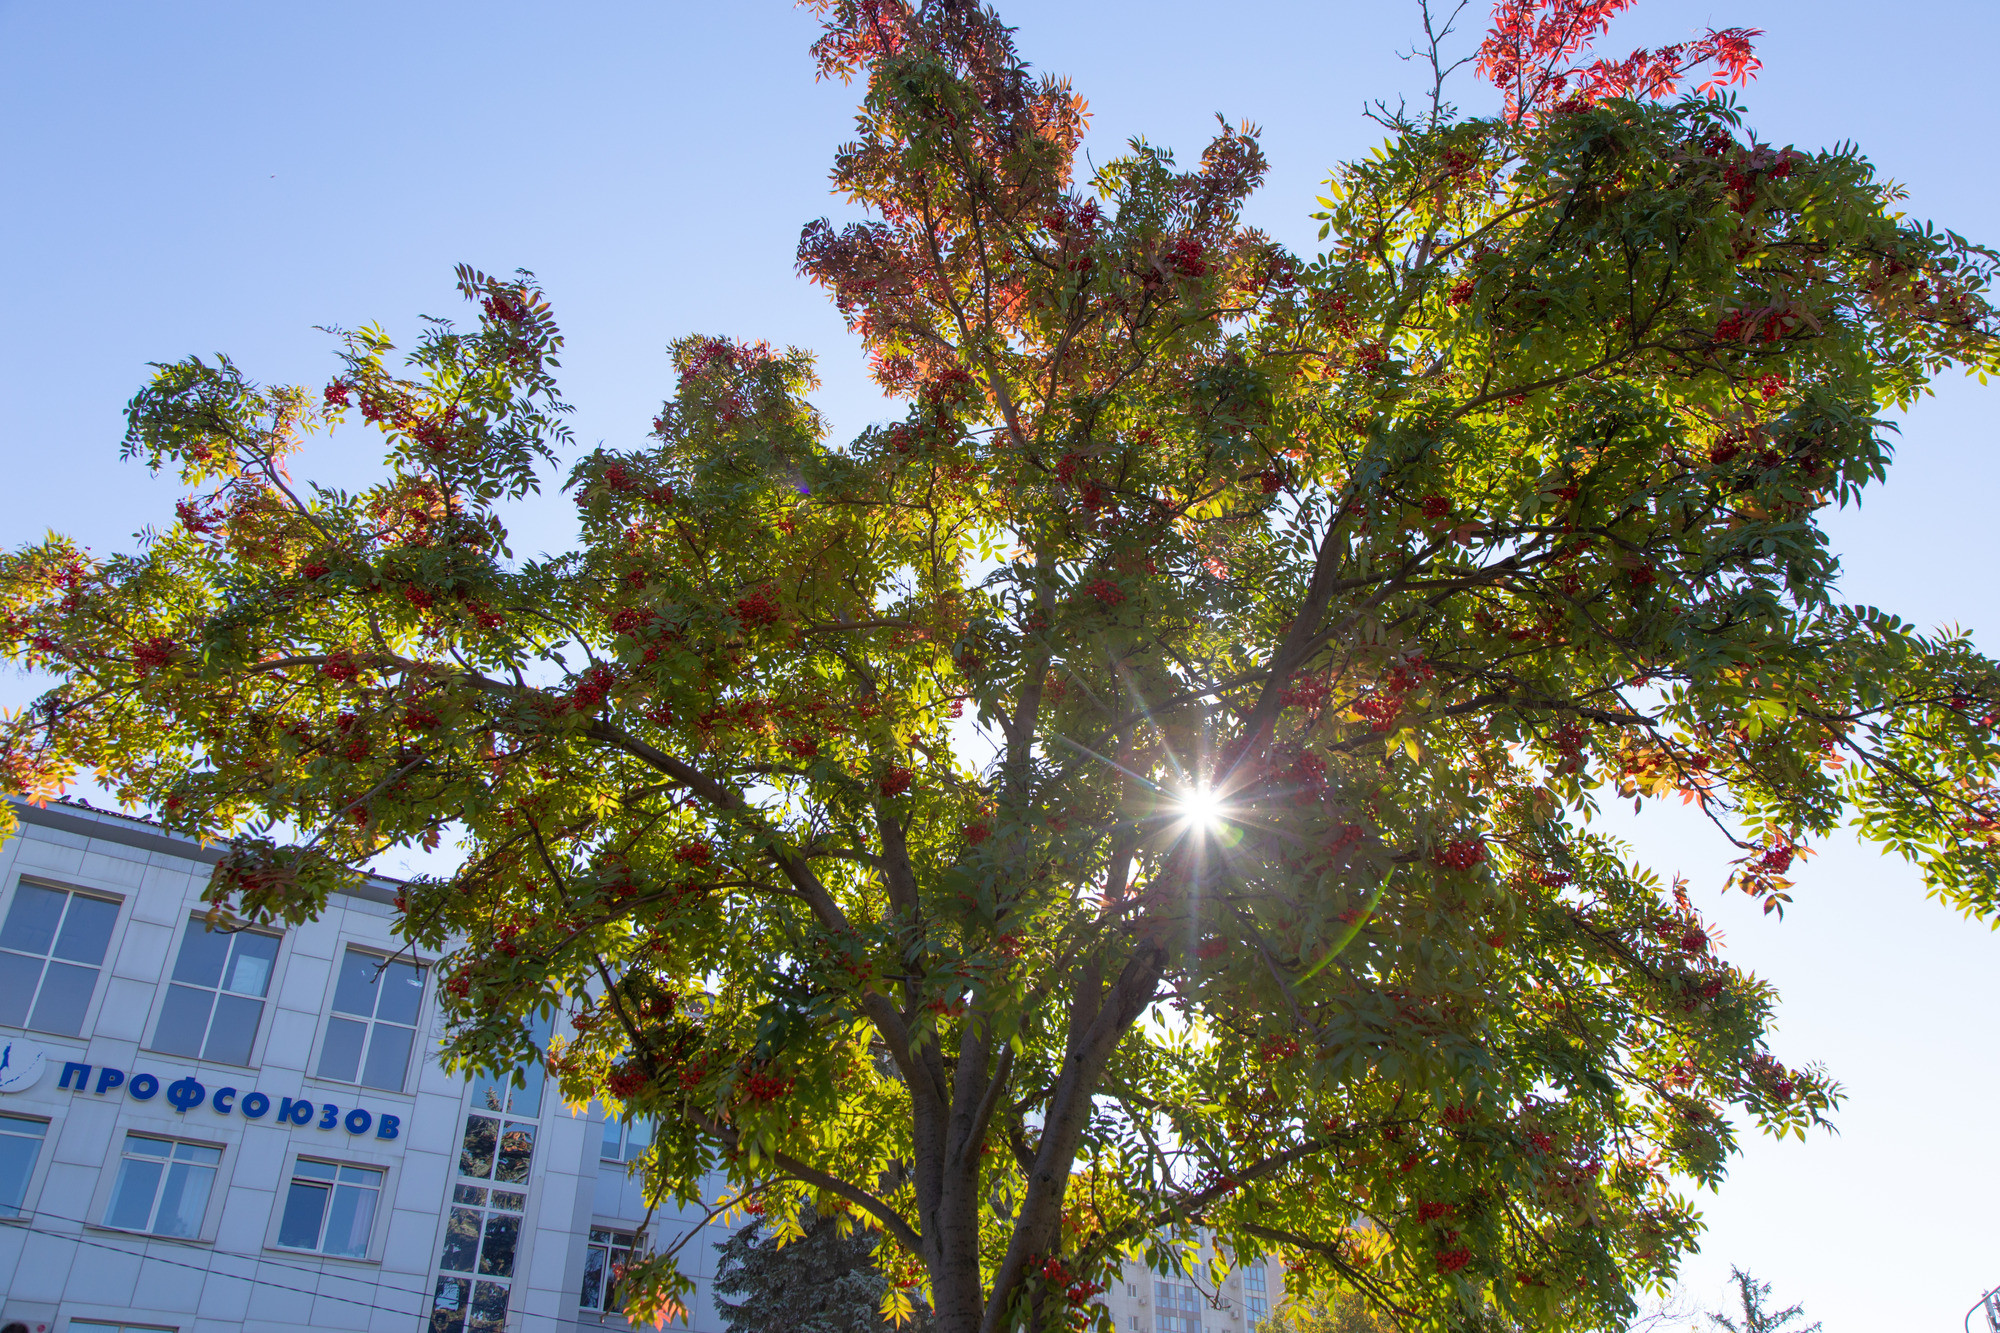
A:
211, 1271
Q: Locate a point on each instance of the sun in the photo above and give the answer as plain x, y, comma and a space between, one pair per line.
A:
1202, 806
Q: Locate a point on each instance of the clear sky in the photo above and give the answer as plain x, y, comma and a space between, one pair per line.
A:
207, 176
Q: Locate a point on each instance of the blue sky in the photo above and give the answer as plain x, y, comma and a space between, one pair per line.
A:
211, 176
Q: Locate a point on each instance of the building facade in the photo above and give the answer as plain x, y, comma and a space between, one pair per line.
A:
1142, 1301
250, 1133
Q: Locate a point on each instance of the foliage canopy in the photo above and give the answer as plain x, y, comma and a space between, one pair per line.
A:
1303, 605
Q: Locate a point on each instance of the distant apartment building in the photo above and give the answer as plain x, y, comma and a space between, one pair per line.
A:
250, 1133
1142, 1301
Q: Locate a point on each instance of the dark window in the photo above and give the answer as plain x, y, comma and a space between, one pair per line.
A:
51, 950
604, 1262
216, 999
330, 1208
373, 1026
20, 1144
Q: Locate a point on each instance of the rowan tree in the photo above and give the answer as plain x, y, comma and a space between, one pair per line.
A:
1141, 787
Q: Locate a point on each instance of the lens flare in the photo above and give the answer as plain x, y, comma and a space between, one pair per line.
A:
1201, 806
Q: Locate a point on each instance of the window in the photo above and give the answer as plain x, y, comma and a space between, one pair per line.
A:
1131, 1290
50, 951
480, 1239
217, 996
604, 1261
484, 1228
100, 1326
330, 1208
20, 1144
374, 1021
163, 1186
499, 1094
1256, 1296
490, 1152
1178, 1310
626, 1139
464, 1306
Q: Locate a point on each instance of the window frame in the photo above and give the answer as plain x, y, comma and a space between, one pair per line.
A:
378, 1229
342, 947
625, 1128
515, 1279
31, 1190
120, 899
636, 1245
107, 1184
166, 983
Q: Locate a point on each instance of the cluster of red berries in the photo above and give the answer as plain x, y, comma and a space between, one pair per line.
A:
757, 610
897, 782
1105, 591
1381, 711
1185, 258
696, 854
149, 655
1278, 1048
1462, 854
625, 1082
766, 1087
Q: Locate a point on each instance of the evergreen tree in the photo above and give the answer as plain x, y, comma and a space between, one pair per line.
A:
824, 1281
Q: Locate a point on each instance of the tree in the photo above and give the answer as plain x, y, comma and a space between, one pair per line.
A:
821, 1278
1332, 1310
1309, 607
1752, 1294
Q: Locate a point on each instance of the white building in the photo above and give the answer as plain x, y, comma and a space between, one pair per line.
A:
210, 1133
1142, 1301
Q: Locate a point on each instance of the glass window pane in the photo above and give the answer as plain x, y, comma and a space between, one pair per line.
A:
202, 953
609, 1152
65, 996
528, 1100
234, 1030
461, 1241
448, 1306
17, 1163
86, 930
183, 1021
132, 1197
18, 978
517, 1146
593, 1279
32, 920
496, 1256
360, 1175
314, 1170
489, 1308
388, 1057
348, 1225
354, 993
475, 1157
402, 993
640, 1139
509, 1202
340, 1057
250, 959
471, 1194
150, 1147
184, 1200
196, 1152
305, 1208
